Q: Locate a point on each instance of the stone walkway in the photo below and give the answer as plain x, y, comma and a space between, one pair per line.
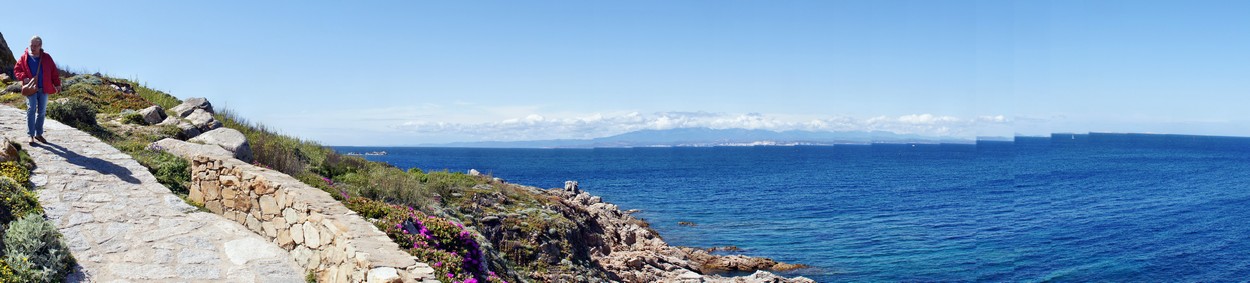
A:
122, 225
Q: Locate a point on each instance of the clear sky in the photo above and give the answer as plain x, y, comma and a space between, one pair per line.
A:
412, 72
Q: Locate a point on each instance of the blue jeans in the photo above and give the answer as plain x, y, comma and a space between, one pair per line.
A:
36, 109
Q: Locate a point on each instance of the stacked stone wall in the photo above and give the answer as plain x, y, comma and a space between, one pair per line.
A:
323, 236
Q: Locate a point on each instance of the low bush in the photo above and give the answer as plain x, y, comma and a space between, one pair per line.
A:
388, 184
15, 171
34, 251
285, 154
133, 118
170, 170
13, 99
16, 201
446, 183
6, 273
81, 80
74, 112
450, 249
157, 97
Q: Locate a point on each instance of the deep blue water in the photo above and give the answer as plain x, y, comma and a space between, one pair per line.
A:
1100, 207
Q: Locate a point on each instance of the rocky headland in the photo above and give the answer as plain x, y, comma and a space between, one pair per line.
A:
613, 245
527, 234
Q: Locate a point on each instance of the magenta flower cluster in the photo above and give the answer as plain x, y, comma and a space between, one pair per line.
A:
453, 250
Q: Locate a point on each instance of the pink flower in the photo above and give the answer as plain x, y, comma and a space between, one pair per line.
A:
438, 264
470, 280
449, 275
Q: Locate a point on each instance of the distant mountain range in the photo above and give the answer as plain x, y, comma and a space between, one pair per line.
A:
701, 137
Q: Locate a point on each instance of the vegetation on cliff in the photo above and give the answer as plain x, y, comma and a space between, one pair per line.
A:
471, 228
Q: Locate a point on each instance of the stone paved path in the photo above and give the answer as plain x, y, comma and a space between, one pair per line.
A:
122, 225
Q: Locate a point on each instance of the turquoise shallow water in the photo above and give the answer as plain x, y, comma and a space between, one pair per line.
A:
1100, 207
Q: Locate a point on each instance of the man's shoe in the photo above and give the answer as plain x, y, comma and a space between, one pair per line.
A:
41, 139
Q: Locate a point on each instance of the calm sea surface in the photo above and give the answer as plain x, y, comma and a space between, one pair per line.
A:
1099, 207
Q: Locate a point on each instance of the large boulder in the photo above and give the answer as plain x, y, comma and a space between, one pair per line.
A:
153, 114
229, 139
8, 152
203, 120
189, 106
189, 150
6, 58
187, 131
170, 120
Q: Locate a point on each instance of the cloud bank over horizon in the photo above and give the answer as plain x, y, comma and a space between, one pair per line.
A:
542, 127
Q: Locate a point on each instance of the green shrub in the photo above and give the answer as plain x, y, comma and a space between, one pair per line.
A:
35, 252
6, 273
278, 152
387, 184
157, 97
74, 112
133, 118
373, 209
15, 171
16, 201
445, 183
14, 99
81, 79
170, 170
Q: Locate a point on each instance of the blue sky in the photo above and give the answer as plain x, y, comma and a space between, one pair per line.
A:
401, 73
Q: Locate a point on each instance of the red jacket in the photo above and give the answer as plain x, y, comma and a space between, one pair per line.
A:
51, 77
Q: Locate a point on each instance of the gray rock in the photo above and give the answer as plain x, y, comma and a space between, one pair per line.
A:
229, 139
187, 131
170, 120
241, 251
383, 274
188, 150
191, 104
311, 238
153, 114
8, 152
14, 88
6, 57
203, 120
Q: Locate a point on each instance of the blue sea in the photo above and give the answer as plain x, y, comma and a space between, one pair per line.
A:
1068, 208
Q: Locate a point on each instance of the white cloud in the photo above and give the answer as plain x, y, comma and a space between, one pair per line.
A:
537, 126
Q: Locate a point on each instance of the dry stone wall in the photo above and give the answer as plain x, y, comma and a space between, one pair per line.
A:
321, 234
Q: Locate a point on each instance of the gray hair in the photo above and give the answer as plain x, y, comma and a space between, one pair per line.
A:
34, 38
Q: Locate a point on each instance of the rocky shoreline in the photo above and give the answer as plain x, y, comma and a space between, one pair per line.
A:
623, 248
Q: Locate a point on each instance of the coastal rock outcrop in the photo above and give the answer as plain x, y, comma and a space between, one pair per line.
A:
228, 139
187, 131
6, 58
203, 120
182, 148
574, 236
191, 104
153, 114
631, 250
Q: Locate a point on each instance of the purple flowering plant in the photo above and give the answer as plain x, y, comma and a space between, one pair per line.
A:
445, 244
